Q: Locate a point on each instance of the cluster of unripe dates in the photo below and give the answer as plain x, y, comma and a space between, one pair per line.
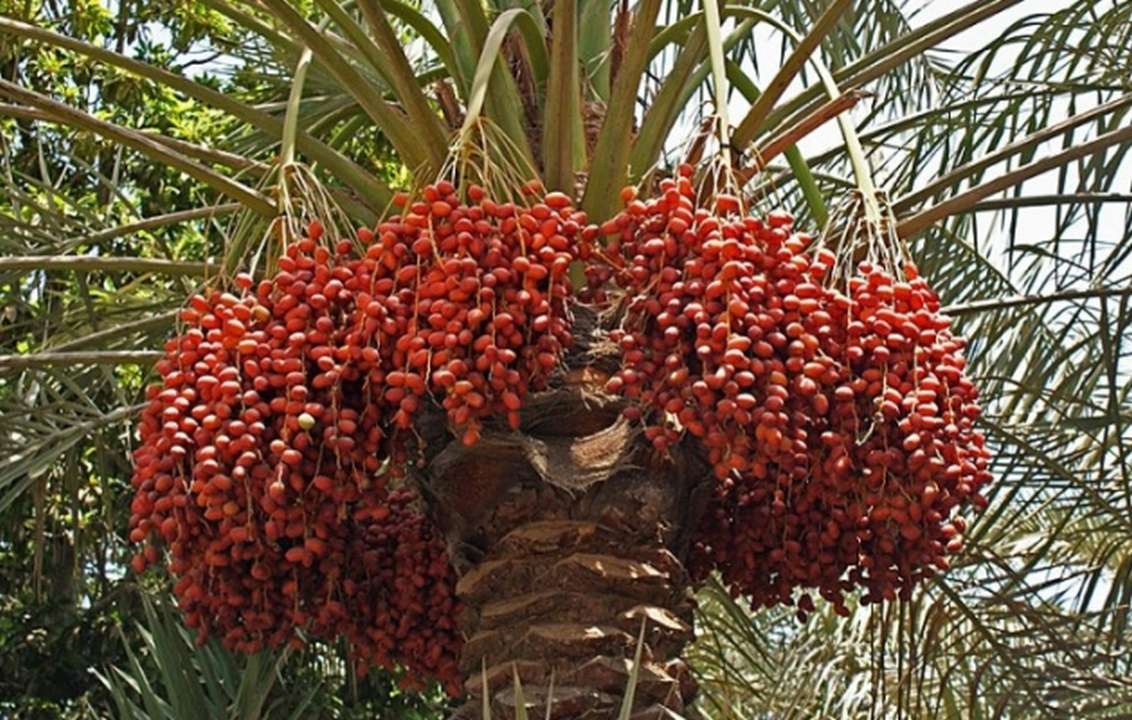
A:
272, 452
833, 406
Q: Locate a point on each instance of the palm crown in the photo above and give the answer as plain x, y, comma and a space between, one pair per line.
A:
351, 100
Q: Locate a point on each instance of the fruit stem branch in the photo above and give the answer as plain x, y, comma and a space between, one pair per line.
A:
719, 76
861, 170
294, 103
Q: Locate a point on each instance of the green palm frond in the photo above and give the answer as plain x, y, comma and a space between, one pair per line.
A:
173, 678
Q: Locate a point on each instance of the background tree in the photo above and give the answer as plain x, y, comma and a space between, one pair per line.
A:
69, 606
1006, 166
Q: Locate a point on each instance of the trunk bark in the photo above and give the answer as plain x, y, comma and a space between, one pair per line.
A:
569, 538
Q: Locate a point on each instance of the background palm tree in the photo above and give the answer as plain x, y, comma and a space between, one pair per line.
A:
1005, 165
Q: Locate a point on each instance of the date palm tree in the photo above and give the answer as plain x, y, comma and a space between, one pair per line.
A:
1006, 168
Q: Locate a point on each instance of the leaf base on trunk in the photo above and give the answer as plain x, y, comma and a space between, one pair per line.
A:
569, 538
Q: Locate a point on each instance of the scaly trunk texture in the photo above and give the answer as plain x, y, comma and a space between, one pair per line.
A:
569, 538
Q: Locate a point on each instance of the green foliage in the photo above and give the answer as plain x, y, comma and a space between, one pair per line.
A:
184, 680
66, 432
169, 676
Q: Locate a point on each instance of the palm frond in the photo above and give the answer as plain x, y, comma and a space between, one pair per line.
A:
175, 679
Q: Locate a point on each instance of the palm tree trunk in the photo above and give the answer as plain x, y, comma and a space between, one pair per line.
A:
569, 538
